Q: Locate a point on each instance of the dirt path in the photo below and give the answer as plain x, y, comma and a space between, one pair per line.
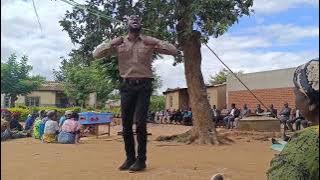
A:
98, 159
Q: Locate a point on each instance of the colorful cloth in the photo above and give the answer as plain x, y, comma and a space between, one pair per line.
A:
66, 138
71, 126
36, 129
51, 127
62, 120
29, 122
49, 138
299, 159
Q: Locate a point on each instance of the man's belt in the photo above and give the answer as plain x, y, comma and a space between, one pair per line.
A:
136, 80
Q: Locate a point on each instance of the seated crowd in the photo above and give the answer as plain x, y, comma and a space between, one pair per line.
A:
230, 118
175, 116
43, 126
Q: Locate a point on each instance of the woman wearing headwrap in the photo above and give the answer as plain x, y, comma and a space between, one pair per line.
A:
299, 160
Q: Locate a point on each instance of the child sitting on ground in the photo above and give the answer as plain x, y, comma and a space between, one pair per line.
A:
51, 128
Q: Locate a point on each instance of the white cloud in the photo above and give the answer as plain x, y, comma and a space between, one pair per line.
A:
20, 33
245, 53
286, 33
275, 6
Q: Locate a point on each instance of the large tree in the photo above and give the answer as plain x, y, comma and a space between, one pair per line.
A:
190, 23
16, 79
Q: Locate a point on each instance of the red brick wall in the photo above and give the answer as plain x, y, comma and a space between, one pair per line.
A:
275, 96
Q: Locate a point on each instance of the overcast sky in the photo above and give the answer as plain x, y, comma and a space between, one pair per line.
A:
280, 34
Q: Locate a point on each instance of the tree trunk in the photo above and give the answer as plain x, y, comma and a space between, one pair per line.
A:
203, 131
13, 99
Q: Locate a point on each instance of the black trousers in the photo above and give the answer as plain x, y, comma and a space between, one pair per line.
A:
135, 100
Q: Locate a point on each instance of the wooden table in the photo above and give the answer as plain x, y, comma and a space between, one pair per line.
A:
96, 126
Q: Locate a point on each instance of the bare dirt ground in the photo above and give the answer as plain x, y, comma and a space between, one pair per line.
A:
98, 159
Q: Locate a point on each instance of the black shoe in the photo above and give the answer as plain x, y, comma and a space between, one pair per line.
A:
138, 166
127, 164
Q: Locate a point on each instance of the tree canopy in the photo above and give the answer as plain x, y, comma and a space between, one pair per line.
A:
16, 79
222, 76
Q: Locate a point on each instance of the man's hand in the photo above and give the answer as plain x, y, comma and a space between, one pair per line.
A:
117, 41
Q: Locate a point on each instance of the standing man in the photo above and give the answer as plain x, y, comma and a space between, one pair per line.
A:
216, 114
134, 53
284, 115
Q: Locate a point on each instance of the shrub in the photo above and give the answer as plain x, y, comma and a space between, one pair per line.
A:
23, 112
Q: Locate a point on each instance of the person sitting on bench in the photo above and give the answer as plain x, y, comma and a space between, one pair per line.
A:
259, 110
272, 112
234, 113
245, 112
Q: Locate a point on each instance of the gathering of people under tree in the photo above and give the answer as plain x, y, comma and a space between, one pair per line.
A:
292, 119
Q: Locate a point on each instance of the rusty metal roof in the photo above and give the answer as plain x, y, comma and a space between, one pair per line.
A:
51, 86
180, 89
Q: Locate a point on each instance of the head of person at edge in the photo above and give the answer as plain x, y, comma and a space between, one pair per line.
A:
306, 81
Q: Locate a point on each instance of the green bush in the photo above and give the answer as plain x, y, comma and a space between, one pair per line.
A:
25, 111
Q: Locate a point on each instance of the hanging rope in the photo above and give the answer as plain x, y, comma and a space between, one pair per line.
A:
36, 12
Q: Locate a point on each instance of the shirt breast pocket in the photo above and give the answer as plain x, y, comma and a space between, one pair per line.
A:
144, 55
123, 52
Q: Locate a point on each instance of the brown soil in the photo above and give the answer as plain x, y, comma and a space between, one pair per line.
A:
247, 158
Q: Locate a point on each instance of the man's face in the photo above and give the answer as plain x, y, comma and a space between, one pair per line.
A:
134, 23
286, 105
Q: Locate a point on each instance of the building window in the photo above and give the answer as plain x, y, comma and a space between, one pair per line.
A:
32, 101
171, 101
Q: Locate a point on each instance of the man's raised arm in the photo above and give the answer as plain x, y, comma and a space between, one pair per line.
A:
161, 47
107, 48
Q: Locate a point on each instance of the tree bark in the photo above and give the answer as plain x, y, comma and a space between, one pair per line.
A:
203, 131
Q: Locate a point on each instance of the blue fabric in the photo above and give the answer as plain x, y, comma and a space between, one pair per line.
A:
41, 129
66, 138
29, 122
61, 121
